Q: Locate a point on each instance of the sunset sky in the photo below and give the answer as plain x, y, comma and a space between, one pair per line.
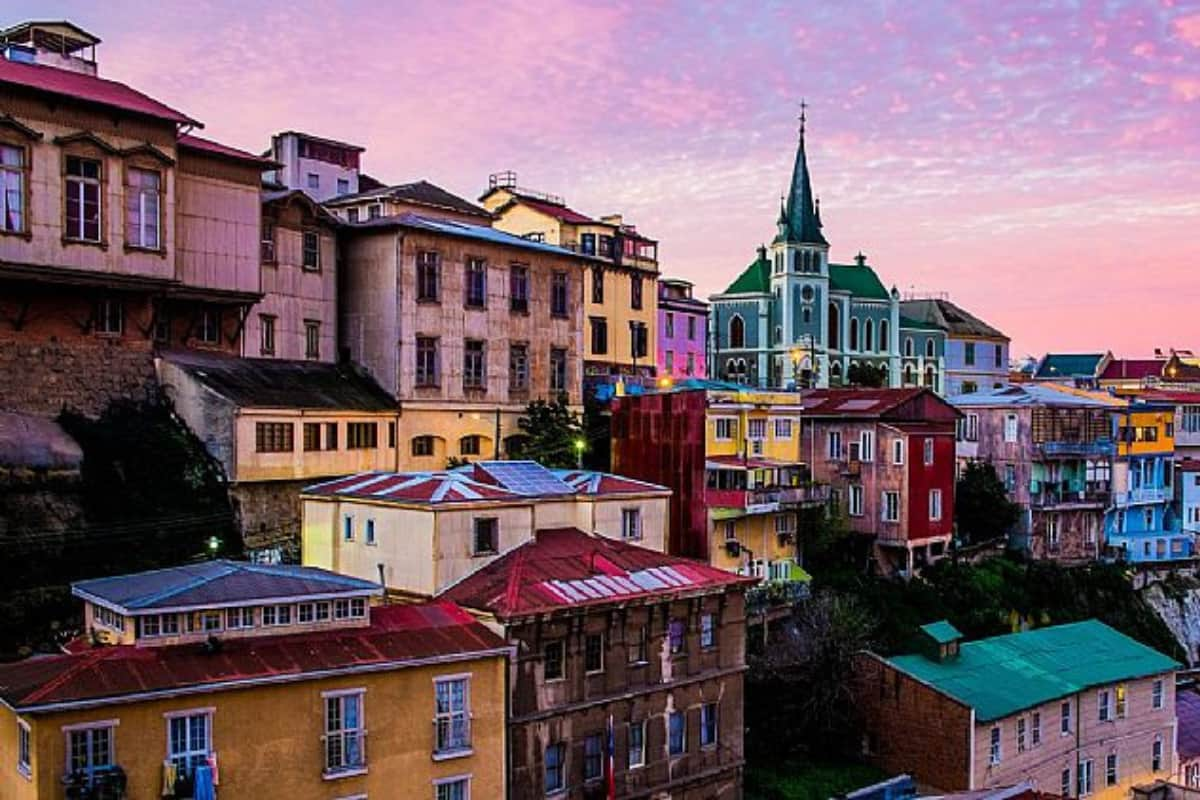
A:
1039, 162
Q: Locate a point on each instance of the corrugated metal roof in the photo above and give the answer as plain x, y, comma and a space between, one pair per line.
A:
1135, 368
418, 192
1068, 365
88, 88
217, 583
868, 403
1006, 674
452, 228
1033, 394
559, 212
949, 317
278, 383
567, 568
191, 142
941, 631
396, 635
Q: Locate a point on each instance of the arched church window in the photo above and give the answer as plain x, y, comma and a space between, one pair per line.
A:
929, 348
737, 331
884, 342
853, 333
835, 327
908, 347
868, 335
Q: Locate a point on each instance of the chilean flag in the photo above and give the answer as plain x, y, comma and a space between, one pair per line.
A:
612, 768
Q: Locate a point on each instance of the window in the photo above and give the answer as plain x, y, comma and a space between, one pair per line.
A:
553, 661
1066, 782
1120, 697
311, 255
783, 429
737, 332
273, 437
599, 327
558, 294
277, 615
518, 280
422, 446
239, 618
427, 361
999, 358
312, 338
597, 285
474, 365
908, 347
726, 428
1110, 769
24, 758
897, 451
83, 199
306, 612
638, 646
675, 631
348, 528
670, 324
928, 451
1104, 702
486, 540
266, 344
969, 354
343, 186
267, 242
209, 331
708, 725
142, 219
109, 318
639, 340
834, 445
313, 180
188, 740
1021, 735
429, 277
1084, 778
708, 631
476, 288
593, 757
593, 652
935, 504
312, 436
756, 429
1035, 733
635, 292
556, 756
890, 510
518, 367
331, 436
995, 751
12, 189
929, 348
344, 732
374, 211
558, 369
691, 328
362, 435
370, 532
1156, 754
867, 446
322, 611
853, 333
354, 608
637, 744
108, 618
89, 748
855, 500
1010, 427
452, 715
470, 445
587, 244
677, 733
452, 789
606, 248
631, 524
1156, 701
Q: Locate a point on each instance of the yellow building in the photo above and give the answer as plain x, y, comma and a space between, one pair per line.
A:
418, 533
620, 292
261, 682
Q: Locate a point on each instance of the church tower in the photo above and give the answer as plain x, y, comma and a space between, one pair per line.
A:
800, 281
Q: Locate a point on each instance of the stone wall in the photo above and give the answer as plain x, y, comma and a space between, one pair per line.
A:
269, 516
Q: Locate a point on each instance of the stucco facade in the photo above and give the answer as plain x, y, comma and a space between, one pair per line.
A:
681, 346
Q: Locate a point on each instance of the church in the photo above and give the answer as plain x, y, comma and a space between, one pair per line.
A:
794, 319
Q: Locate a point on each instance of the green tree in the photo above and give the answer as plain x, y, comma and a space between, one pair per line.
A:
981, 505
550, 434
866, 374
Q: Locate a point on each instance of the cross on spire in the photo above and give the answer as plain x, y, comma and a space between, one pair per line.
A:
803, 116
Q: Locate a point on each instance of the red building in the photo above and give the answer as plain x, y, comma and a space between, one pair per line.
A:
889, 456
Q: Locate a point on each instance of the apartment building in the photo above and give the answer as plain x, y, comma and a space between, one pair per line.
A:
621, 647
464, 325
419, 532
620, 297
888, 455
968, 716
321, 168
682, 348
121, 231
1053, 448
237, 680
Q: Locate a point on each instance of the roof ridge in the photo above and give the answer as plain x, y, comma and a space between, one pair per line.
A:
80, 661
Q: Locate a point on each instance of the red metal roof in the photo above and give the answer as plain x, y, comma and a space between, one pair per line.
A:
1135, 368
602, 483
558, 212
89, 89
203, 145
1167, 396
855, 402
751, 462
566, 568
397, 634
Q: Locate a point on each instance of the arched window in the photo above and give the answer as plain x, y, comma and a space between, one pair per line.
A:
835, 327
730, 369
422, 446
796, 265
884, 343
929, 348
737, 332
835, 372
778, 263
741, 370
909, 352
469, 445
853, 333
806, 314
778, 334
868, 335
910, 377
930, 376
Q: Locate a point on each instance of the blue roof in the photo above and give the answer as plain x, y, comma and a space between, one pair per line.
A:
453, 228
216, 583
1027, 394
1068, 365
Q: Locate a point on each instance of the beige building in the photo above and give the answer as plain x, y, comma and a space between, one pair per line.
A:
420, 532
465, 325
621, 292
1078, 710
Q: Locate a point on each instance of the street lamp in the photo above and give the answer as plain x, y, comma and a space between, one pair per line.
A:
580, 444
214, 544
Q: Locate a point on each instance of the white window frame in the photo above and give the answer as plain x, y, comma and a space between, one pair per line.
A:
783, 428
193, 753
1112, 769
898, 451
1022, 727
631, 524
730, 425
148, 209
1011, 428
369, 532
866, 446
110, 725
1157, 695
1156, 754
886, 513
996, 746
708, 631
854, 500
25, 749
833, 445
445, 720
344, 733
348, 528
451, 781
1035, 729
935, 504
928, 451
1104, 705
16, 173
1084, 778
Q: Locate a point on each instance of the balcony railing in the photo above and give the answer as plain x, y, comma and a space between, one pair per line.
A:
1051, 498
775, 594
769, 499
1097, 447
1142, 496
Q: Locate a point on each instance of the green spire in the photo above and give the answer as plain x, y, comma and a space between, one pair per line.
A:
802, 218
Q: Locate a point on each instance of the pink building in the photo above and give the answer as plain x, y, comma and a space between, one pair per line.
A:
682, 326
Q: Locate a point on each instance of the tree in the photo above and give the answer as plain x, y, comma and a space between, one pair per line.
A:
981, 505
550, 434
867, 374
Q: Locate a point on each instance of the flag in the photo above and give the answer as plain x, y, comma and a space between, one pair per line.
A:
612, 767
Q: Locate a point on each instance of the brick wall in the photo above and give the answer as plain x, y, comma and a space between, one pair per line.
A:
269, 514
911, 728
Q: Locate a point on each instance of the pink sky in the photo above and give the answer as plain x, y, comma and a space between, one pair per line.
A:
1040, 164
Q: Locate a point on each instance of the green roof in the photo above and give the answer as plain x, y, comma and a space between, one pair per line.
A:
941, 632
1068, 365
858, 281
918, 325
1006, 674
755, 279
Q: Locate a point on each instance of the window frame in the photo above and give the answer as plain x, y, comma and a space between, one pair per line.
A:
446, 742
492, 523
191, 754
343, 765
78, 235
631, 524
139, 192
313, 264
429, 276
710, 718
90, 767
22, 172
559, 294
427, 376
475, 283
640, 750
474, 365
673, 734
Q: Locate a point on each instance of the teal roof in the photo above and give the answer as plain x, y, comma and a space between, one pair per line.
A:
755, 279
1068, 365
858, 281
800, 218
1006, 674
941, 632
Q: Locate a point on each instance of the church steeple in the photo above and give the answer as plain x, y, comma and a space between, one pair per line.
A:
803, 222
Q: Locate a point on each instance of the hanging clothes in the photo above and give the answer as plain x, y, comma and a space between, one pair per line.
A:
203, 790
216, 773
169, 777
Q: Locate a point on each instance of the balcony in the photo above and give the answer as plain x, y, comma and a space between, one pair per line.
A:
1144, 496
1063, 449
102, 783
767, 500
776, 594
1055, 498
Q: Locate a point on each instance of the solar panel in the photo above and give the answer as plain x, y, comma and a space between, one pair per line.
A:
525, 477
